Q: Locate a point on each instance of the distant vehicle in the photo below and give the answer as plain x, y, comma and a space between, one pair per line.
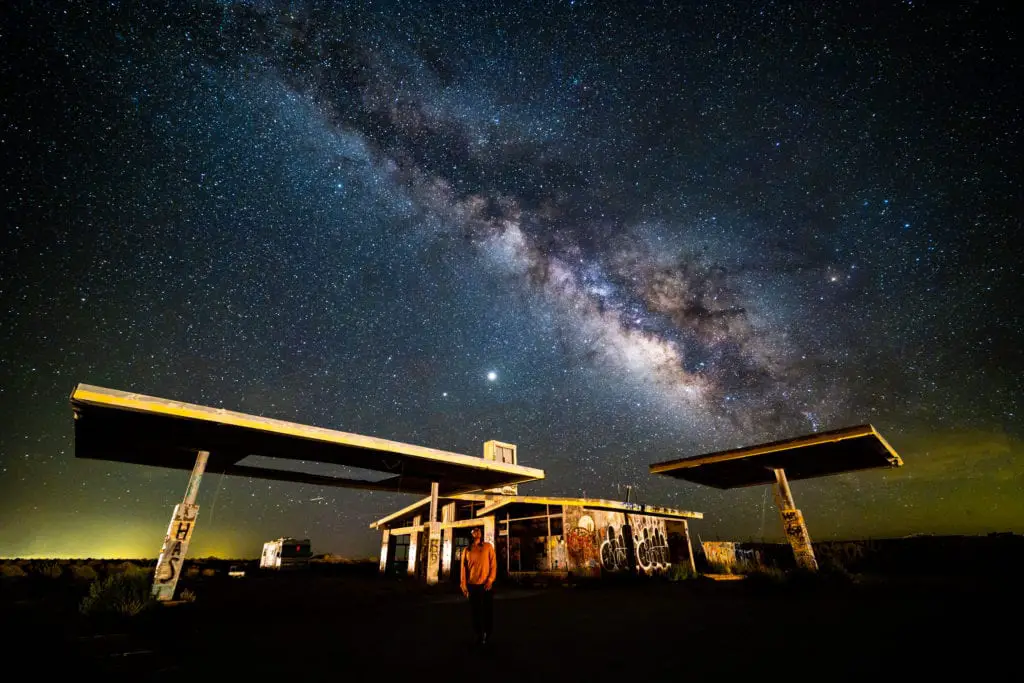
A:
237, 571
285, 553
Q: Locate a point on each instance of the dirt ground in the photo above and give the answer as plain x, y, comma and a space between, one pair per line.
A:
363, 627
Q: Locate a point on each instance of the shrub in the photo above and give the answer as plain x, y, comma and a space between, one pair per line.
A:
680, 571
11, 571
187, 595
209, 571
49, 570
123, 594
719, 568
762, 574
83, 572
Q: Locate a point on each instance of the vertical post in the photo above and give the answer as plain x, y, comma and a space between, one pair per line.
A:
508, 544
785, 493
414, 539
433, 539
385, 538
433, 501
489, 529
447, 539
547, 539
179, 534
689, 546
793, 524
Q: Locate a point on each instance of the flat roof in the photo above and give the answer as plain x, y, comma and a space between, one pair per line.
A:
145, 430
592, 503
496, 501
412, 507
816, 455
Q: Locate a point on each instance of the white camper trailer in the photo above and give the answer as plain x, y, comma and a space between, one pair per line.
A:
285, 553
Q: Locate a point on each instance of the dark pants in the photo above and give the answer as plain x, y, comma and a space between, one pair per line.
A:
482, 602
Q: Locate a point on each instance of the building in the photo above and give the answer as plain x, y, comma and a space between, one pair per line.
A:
537, 535
285, 553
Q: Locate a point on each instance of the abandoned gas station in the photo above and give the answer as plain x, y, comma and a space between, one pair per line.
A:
539, 535
146, 430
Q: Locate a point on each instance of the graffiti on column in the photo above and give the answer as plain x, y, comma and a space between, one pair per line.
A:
614, 554
799, 539
174, 550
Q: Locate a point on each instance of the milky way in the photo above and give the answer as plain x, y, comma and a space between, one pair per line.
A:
610, 235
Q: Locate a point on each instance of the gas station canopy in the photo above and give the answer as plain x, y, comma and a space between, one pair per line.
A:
144, 430
805, 457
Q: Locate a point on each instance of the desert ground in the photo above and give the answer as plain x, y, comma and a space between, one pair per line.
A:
347, 623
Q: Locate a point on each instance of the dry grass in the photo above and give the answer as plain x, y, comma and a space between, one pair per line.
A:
124, 594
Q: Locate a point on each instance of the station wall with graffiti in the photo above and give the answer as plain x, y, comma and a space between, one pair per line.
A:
599, 541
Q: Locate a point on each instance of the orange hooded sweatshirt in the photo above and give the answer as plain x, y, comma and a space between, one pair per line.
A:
479, 565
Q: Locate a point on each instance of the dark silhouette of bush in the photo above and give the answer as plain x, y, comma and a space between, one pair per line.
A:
11, 571
125, 594
83, 572
49, 570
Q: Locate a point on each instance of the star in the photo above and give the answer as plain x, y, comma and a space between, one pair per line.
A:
492, 376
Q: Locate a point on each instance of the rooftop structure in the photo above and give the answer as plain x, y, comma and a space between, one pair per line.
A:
146, 430
816, 455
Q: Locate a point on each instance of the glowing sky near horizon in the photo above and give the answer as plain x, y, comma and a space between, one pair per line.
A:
610, 236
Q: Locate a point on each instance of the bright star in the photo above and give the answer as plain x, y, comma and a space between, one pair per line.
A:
492, 375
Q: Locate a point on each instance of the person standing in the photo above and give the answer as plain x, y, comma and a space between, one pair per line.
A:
479, 570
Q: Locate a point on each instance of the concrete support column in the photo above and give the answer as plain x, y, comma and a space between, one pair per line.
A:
179, 534
447, 544
433, 552
793, 524
433, 502
385, 537
414, 539
489, 529
433, 538
689, 546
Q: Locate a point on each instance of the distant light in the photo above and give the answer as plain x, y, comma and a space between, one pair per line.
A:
492, 375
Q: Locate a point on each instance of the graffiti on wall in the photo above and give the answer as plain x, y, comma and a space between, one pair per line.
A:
580, 544
728, 554
615, 554
652, 552
600, 540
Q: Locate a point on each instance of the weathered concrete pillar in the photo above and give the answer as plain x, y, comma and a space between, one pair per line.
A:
489, 529
448, 512
793, 524
414, 539
385, 537
447, 541
689, 546
434, 489
179, 534
433, 552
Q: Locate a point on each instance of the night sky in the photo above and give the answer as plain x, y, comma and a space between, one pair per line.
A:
610, 234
